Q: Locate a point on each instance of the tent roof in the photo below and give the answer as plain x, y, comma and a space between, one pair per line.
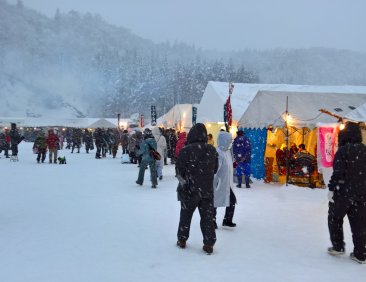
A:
359, 114
268, 108
216, 93
102, 123
180, 114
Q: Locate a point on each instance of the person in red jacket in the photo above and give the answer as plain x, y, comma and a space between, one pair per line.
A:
52, 142
182, 139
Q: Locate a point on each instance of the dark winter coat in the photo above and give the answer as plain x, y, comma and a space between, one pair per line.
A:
182, 139
349, 166
15, 137
242, 149
198, 162
98, 136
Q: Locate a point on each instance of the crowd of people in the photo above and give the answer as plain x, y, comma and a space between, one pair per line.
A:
206, 173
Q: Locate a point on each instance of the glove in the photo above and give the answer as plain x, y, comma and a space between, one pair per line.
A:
330, 196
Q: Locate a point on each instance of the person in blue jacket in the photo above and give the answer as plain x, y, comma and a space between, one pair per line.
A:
242, 153
148, 144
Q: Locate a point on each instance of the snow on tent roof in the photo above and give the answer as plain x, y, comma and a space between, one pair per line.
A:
268, 108
102, 123
358, 114
216, 93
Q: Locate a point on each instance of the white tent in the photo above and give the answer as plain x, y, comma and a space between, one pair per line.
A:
102, 123
359, 114
268, 108
180, 117
212, 103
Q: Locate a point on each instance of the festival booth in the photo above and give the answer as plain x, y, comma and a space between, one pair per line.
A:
210, 111
276, 119
179, 117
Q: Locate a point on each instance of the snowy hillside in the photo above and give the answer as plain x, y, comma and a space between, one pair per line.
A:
88, 221
76, 65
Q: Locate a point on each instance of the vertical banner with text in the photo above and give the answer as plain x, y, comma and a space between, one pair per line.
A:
194, 115
153, 115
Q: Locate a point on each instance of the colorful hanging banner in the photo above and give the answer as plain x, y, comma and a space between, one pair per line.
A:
142, 122
327, 144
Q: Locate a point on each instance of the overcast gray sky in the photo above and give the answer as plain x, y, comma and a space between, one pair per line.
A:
231, 24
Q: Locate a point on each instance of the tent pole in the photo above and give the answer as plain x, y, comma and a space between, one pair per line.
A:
286, 139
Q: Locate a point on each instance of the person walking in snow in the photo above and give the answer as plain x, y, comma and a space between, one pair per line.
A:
161, 147
171, 145
195, 168
148, 144
182, 139
40, 146
124, 142
52, 143
88, 140
347, 193
223, 181
5, 142
15, 139
98, 136
242, 153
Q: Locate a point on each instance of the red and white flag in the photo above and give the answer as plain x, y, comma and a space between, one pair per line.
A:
229, 113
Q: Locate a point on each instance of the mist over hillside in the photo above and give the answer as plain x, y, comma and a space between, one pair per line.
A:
77, 65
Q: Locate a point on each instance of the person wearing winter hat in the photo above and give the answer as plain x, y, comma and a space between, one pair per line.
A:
148, 144
347, 193
223, 181
195, 168
242, 152
161, 147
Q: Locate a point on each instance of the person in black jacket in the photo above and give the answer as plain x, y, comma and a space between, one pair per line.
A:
347, 193
195, 168
15, 139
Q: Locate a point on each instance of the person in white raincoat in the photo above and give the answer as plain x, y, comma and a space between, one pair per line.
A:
223, 181
161, 147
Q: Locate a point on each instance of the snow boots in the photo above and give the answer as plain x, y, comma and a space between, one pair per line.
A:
353, 257
208, 249
228, 223
181, 244
332, 251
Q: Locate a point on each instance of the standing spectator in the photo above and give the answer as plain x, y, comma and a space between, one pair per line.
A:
116, 140
132, 139
139, 140
161, 147
242, 153
5, 142
164, 133
196, 165
88, 140
124, 142
146, 160
182, 139
223, 181
68, 137
52, 142
347, 193
40, 144
76, 139
210, 139
171, 144
61, 140
15, 139
98, 136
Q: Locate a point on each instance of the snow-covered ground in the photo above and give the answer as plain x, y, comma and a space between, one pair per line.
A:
88, 221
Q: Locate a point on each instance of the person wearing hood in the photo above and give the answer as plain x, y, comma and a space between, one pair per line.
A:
195, 169
40, 147
347, 193
223, 181
161, 147
242, 152
15, 139
146, 159
182, 139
